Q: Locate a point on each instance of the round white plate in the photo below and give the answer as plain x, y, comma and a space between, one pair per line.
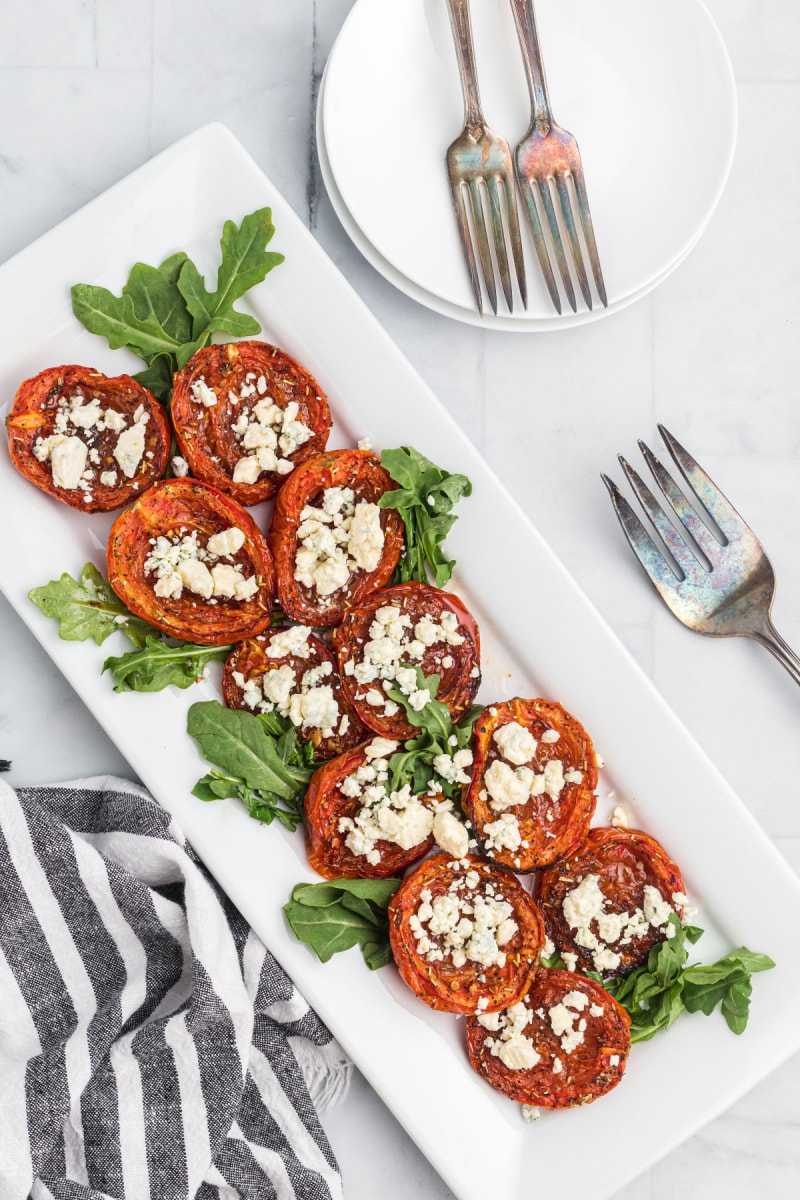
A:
647, 88
470, 316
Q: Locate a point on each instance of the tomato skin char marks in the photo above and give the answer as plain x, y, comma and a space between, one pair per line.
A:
179, 535
88, 440
608, 904
410, 625
349, 483
305, 687
542, 1071
531, 797
327, 805
230, 407
482, 969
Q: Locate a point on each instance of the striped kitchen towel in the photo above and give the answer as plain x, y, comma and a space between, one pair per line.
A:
150, 1046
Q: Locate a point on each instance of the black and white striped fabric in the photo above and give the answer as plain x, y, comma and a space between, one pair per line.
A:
150, 1046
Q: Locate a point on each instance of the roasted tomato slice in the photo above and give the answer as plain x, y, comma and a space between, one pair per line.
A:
466, 936
193, 563
400, 628
608, 904
355, 828
331, 543
245, 415
565, 1043
292, 672
92, 442
532, 792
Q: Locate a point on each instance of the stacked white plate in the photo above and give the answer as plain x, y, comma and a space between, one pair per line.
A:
646, 88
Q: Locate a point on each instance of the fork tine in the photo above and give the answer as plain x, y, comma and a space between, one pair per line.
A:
660, 573
572, 235
588, 231
526, 189
500, 251
482, 238
555, 234
681, 506
677, 545
714, 502
460, 206
513, 233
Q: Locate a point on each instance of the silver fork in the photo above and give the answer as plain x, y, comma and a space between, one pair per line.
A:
724, 584
548, 157
479, 160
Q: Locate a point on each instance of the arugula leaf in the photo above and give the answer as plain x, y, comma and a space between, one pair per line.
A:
424, 499
267, 770
340, 913
438, 735
656, 993
88, 608
114, 317
154, 292
158, 664
166, 313
245, 262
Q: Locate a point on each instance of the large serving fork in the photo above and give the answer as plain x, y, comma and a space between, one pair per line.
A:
549, 168
721, 584
479, 162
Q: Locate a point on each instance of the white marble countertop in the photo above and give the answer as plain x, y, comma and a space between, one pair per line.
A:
89, 89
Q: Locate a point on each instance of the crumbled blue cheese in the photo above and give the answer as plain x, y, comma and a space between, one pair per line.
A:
181, 561
511, 1046
384, 815
180, 466
71, 449
502, 834
203, 394
130, 448
585, 904
395, 640
464, 924
270, 434
516, 743
337, 538
308, 701
293, 640
68, 462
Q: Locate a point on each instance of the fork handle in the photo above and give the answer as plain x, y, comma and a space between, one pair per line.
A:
773, 641
465, 53
525, 19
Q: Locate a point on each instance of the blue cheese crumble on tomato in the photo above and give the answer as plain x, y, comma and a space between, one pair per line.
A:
337, 538
511, 782
470, 922
305, 698
585, 904
181, 561
395, 641
72, 449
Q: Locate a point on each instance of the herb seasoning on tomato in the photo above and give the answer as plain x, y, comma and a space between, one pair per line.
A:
292, 672
333, 546
193, 563
91, 441
609, 903
565, 1043
357, 826
466, 936
245, 415
383, 643
532, 792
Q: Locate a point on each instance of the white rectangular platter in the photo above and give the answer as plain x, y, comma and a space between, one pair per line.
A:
541, 637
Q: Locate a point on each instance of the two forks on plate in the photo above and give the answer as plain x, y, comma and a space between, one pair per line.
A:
549, 173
